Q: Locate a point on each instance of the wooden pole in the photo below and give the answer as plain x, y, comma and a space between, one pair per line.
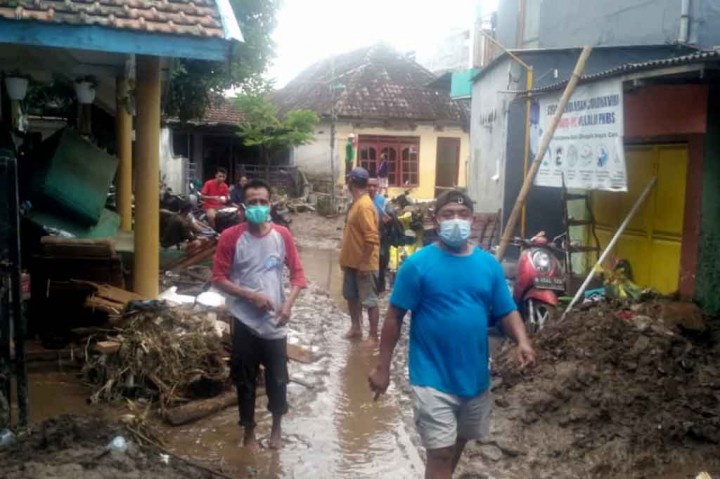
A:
123, 125
530, 177
146, 267
611, 245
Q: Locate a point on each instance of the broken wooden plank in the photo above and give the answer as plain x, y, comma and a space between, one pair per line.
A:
196, 410
112, 293
197, 256
72, 247
104, 305
107, 347
299, 354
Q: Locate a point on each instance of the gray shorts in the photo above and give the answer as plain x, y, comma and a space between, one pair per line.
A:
442, 418
359, 287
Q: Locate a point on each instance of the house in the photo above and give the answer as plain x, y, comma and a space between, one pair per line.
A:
116, 42
497, 164
672, 133
194, 149
385, 99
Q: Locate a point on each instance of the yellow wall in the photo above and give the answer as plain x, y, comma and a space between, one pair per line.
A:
428, 152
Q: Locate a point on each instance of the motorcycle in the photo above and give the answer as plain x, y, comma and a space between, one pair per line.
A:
540, 278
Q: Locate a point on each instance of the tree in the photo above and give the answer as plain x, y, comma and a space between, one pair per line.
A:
195, 84
262, 127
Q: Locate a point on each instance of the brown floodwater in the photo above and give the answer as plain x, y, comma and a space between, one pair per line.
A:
334, 430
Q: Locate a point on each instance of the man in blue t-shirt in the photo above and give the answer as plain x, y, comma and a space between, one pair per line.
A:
455, 291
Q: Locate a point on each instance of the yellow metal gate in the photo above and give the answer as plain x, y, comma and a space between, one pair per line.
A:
652, 241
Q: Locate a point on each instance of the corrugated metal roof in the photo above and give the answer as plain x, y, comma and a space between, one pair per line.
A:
700, 57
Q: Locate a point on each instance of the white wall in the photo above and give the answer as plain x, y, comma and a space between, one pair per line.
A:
314, 159
172, 168
488, 138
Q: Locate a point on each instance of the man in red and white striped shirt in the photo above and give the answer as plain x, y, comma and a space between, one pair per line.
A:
249, 265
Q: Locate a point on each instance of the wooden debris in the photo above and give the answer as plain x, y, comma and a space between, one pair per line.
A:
299, 354
196, 256
109, 299
72, 247
195, 410
107, 347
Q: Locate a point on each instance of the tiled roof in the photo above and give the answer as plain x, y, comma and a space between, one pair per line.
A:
699, 57
222, 111
180, 17
225, 112
374, 83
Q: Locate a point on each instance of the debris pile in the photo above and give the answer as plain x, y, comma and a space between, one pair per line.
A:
71, 447
159, 352
617, 392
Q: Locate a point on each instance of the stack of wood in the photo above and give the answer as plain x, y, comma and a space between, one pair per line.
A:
111, 300
195, 256
59, 275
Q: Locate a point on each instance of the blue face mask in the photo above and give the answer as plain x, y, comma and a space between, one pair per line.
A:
455, 233
257, 214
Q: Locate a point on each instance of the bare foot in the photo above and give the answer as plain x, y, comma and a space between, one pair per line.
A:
353, 334
371, 342
275, 441
250, 442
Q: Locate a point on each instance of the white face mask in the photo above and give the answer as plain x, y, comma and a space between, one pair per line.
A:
455, 233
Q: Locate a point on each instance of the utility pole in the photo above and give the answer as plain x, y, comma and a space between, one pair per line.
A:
332, 133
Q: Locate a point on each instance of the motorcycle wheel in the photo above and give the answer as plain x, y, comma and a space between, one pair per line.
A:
537, 314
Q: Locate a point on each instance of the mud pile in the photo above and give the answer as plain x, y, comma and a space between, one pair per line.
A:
74, 447
617, 393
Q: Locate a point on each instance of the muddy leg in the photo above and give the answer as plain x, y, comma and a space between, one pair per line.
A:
440, 463
276, 380
374, 317
459, 447
245, 363
355, 309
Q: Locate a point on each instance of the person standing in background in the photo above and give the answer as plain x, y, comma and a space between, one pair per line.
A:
382, 174
381, 204
349, 154
359, 257
214, 193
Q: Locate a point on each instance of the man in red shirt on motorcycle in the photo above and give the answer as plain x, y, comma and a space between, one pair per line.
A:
214, 193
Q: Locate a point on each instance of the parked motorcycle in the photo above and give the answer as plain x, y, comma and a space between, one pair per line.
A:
540, 278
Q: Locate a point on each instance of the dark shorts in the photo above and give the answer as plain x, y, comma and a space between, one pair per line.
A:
360, 287
248, 353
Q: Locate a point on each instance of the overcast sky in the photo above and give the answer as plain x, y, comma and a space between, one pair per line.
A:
310, 30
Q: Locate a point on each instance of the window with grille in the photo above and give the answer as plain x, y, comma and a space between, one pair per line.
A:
368, 158
401, 153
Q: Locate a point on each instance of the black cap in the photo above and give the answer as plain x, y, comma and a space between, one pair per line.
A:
453, 196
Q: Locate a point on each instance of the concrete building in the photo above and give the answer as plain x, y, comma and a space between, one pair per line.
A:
570, 23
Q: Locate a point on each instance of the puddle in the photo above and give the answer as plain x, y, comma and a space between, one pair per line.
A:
53, 393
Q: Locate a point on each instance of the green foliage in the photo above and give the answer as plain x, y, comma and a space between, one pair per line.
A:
263, 128
194, 84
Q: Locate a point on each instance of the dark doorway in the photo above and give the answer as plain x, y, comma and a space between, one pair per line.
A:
447, 164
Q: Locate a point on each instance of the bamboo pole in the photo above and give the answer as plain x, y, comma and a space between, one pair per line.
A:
530, 177
611, 245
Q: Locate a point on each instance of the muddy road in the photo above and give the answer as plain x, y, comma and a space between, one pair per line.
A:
333, 429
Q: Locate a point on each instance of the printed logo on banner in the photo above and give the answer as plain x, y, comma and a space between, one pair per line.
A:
587, 150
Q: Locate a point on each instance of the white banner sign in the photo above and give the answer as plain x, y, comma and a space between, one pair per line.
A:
587, 148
